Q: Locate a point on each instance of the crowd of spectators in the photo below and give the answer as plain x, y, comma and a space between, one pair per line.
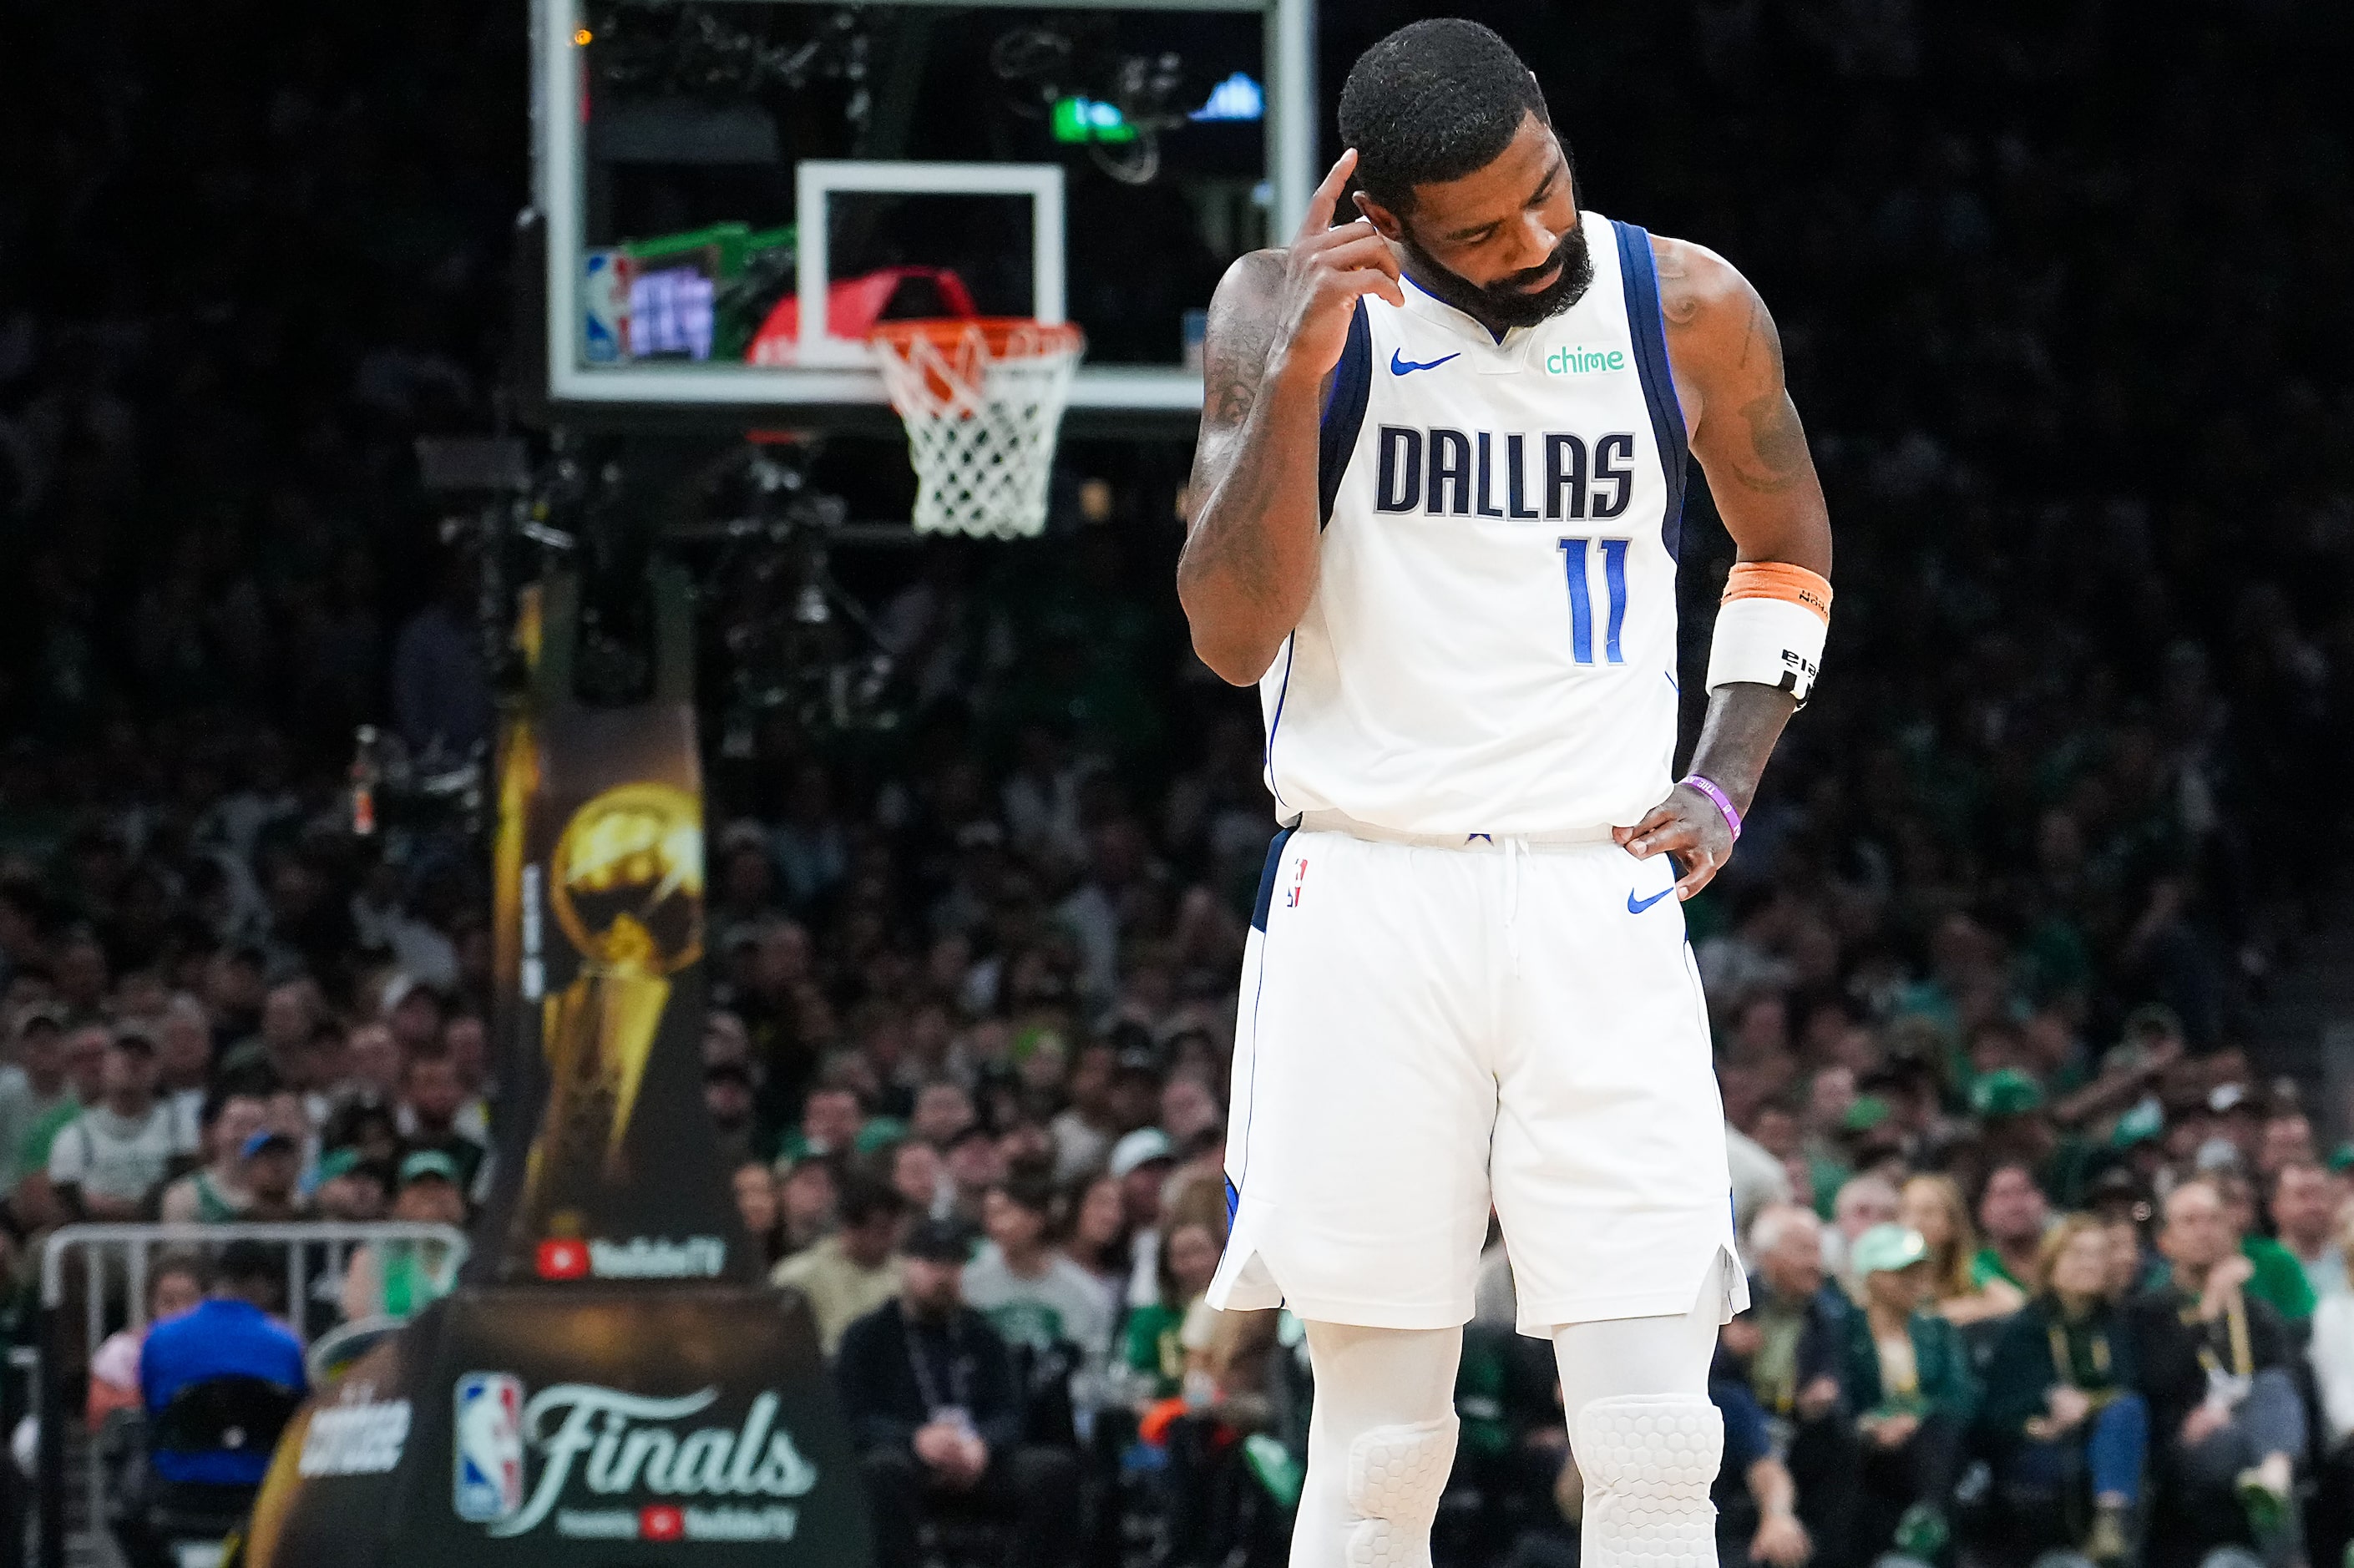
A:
2062, 316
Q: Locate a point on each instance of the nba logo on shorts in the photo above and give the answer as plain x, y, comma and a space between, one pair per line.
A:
487, 1439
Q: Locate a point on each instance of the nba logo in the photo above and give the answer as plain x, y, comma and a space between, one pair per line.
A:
606, 276
487, 1439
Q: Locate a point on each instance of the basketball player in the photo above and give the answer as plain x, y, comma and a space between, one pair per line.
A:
1434, 518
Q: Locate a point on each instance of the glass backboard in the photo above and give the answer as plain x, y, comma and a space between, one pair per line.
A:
703, 169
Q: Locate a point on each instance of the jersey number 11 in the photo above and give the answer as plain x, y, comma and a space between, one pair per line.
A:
1581, 602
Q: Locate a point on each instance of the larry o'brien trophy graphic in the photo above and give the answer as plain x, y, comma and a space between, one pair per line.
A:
612, 1385
625, 885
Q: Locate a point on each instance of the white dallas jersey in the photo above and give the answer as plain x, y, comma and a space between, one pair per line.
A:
1492, 644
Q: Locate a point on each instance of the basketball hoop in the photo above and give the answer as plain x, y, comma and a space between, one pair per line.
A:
983, 400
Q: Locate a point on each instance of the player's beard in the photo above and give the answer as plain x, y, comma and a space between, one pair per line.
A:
1509, 301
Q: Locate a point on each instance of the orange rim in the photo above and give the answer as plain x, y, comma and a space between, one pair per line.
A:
1004, 337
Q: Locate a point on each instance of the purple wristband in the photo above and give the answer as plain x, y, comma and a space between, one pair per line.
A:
1723, 803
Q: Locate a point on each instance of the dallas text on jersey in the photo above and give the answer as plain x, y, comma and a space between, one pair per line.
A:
1458, 475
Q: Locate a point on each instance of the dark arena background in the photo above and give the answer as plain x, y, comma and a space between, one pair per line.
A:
470, 808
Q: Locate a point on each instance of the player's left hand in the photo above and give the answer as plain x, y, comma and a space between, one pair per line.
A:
1687, 826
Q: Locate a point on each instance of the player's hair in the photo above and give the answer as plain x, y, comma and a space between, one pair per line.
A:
1433, 102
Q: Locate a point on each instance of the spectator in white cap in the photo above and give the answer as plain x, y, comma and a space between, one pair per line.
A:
1140, 1164
1909, 1381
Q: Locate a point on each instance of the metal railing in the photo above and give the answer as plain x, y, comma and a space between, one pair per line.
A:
116, 1259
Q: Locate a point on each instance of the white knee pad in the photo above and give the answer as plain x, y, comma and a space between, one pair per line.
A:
1648, 1462
1396, 1476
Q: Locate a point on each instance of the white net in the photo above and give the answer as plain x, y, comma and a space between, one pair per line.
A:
983, 401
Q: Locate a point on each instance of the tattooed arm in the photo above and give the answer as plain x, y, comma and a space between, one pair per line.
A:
1728, 367
1727, 360
1277, 326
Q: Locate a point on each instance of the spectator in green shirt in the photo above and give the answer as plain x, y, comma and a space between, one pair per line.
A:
1908, 1379
1159, 1344
2280, 1279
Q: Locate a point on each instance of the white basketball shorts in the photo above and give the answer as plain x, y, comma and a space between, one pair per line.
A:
1427, 1029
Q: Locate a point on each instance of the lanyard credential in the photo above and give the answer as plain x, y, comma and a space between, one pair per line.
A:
2235, 1318
2064, 1365
959, 1373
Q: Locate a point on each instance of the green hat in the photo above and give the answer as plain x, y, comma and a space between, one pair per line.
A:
1884, 1249
2141, 1123
429, 1162
2006, 1091
1866, 1112
338, 1162
2341, 1159
877, 1133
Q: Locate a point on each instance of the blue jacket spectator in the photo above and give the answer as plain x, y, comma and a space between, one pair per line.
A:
230, 1335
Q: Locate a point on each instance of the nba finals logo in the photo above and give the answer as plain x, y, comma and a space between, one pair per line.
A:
623, 1467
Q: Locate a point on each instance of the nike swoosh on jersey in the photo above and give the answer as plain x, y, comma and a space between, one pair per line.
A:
1635, 908
1401, 365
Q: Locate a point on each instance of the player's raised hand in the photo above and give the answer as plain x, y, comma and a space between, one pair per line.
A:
1687, 826
1325, 271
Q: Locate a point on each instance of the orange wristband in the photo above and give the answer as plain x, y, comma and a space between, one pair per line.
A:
1779, 580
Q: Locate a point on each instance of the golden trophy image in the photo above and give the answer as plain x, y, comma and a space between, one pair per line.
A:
625, 884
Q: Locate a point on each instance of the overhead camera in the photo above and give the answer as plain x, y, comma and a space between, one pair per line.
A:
756, 535
1054, 68
676, 48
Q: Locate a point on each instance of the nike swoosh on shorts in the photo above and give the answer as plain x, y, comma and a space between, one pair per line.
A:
1634, 907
